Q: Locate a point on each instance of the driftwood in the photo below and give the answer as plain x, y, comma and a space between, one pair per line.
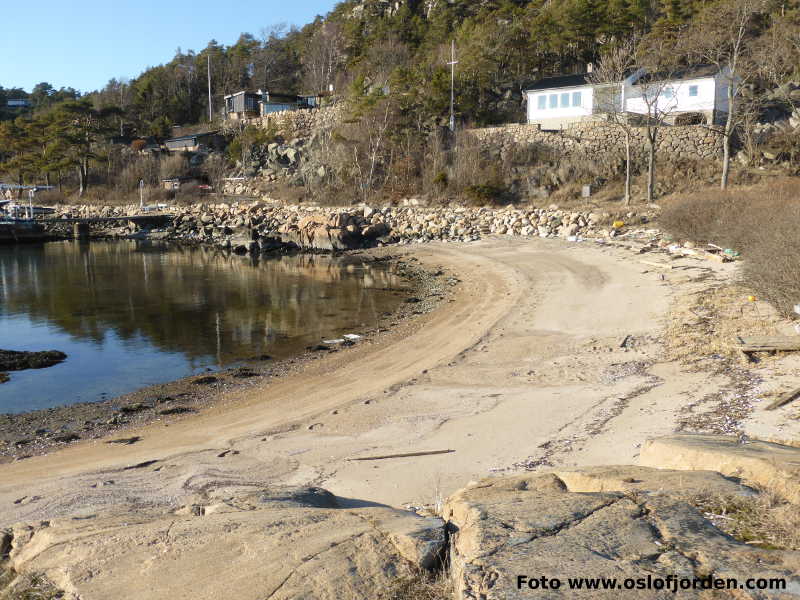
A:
405, 455
784, 399
651, 263
784, 343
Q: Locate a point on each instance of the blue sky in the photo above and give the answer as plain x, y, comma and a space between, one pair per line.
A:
84, 43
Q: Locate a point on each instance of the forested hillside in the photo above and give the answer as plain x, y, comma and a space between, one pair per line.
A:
375, 52
501, 45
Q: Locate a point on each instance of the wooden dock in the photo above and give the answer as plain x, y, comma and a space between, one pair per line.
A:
18, 231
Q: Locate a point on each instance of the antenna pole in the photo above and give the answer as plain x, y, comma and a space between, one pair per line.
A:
210, 110
453, 62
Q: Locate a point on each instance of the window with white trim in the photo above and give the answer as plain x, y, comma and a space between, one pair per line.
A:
553, 100
541, 102
576, 99
694, 91
565, 100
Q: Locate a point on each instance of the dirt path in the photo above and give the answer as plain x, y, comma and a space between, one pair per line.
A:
526, 367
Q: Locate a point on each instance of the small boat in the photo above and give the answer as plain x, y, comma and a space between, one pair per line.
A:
22, 211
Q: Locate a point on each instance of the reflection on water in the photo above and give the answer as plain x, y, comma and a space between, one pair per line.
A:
131, 314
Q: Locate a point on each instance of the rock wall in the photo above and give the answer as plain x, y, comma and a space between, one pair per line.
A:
263, 226
294, 123
597, 139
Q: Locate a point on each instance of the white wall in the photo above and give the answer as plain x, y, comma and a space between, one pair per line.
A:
722, 83
570, 112
682, 99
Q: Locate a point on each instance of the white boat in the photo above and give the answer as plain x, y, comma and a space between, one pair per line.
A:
17, 211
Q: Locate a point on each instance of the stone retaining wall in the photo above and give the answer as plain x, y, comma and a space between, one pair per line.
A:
294, 123
596, 139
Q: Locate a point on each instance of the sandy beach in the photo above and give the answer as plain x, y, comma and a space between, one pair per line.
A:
549, 353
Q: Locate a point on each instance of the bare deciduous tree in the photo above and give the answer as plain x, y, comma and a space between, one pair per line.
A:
609, 76
722, 36
323, 58
653, 95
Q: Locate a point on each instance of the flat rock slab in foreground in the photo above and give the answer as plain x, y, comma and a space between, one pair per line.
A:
771, 465
613, 522
281, 545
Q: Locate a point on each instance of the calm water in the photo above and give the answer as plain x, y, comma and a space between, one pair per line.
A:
133, 314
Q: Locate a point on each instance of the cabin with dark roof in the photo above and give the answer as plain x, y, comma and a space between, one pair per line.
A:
249, 105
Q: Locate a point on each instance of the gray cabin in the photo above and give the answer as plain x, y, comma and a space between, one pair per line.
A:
195, 142
249, 105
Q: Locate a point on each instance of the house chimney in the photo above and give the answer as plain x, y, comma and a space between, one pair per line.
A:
589, 67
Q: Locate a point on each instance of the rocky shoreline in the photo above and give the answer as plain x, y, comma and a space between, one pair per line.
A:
261, 226
38, 432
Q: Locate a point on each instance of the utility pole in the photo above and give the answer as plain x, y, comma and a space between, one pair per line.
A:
453, 62
210, 110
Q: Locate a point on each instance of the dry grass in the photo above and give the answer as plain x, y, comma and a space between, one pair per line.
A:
32, 586
419, 585
760, 221
705, 324
765, 520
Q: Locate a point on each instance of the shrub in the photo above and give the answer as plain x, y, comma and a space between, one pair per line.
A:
488, 193
761, 222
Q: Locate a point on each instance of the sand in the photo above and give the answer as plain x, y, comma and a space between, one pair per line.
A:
523, 368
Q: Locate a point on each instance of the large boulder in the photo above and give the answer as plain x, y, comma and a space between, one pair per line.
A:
520, 537
774, 466
282, 544
324, 232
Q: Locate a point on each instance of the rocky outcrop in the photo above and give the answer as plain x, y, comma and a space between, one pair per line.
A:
623, 523
13, 360
288, 162
510, 538
277, 544
772, 466
338, 231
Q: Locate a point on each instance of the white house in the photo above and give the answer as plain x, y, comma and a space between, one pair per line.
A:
557, 101
696, 94
699, 92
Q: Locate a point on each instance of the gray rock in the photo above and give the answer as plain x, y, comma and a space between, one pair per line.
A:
281, 544
620, 522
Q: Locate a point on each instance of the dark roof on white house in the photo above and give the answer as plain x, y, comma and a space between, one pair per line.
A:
682, 74
561, 81
583, 79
